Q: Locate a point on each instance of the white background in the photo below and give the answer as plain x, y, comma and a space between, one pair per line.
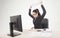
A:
21, 7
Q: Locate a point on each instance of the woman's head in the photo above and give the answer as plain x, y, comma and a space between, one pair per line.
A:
35, 13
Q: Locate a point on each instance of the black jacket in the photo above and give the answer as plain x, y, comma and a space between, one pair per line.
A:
37, 21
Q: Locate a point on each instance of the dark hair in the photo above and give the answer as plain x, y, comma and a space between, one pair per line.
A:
36, 11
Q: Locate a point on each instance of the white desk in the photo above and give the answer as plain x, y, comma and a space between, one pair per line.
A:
31, 34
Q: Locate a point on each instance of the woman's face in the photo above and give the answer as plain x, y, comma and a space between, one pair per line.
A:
35, 14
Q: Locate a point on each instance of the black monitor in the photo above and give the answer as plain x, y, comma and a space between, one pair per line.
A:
17, 22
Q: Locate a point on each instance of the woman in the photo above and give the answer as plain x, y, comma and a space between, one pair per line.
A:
37, 17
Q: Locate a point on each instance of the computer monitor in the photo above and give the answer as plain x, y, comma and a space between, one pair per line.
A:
18, 22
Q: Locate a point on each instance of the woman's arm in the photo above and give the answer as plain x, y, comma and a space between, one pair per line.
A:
30, 12
44, 11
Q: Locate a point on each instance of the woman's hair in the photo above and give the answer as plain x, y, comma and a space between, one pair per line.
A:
36, 11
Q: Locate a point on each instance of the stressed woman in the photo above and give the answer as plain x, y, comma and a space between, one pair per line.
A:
37, 17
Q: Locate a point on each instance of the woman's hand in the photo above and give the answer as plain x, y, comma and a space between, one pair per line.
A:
41, 2
30, 7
